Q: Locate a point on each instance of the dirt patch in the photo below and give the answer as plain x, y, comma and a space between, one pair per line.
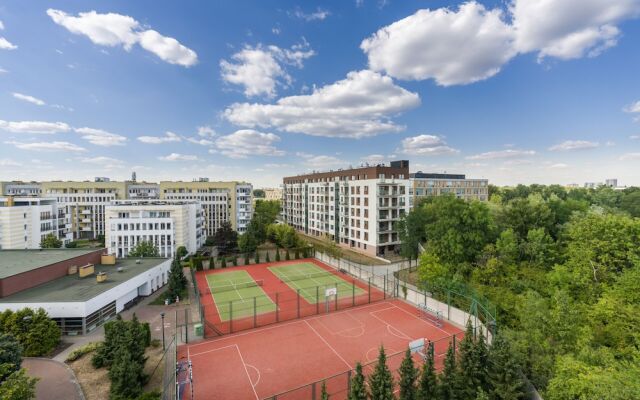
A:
95, 382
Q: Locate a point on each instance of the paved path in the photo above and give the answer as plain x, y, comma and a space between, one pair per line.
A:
57, 381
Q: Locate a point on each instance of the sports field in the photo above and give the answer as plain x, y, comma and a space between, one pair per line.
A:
312, 281
241, 289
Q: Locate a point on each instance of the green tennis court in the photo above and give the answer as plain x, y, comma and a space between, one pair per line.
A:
307, 277
240, 289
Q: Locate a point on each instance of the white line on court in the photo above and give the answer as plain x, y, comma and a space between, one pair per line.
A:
247, 371
327, 343
420, 319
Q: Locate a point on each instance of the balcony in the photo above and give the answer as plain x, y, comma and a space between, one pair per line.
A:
85, 212
86, 220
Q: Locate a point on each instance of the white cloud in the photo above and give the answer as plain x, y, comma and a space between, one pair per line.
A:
634, 137
6, 45
100, 137
178, 157
359, 106
101, 160
34, 127
568, 29
633, 108
113, 29
558, 166
248, 142
206, 131
630, 157
1, 26
569, 145
260, 69
426, 145
7, 162
3, 71
317, 15
167, 138
374, 159
201, 142
48, 146
324, 162
502, 154
28, 99
451, 47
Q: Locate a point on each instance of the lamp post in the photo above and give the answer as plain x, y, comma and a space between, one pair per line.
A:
162, 316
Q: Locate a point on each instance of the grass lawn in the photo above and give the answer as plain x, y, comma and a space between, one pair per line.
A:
346, 253
228, 288
308, 276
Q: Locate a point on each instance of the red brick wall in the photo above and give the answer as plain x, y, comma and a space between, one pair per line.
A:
26, 280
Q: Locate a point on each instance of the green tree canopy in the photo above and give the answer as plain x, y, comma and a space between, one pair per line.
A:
144, 249
50, 241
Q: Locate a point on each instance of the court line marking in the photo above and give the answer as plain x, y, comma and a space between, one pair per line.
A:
420, 319
212, 350
247, 371
282, 324
258, 371
359, 325
327, 343
406, 337
243, 273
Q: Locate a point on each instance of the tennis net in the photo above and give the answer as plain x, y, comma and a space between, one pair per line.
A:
233, 286
299, 277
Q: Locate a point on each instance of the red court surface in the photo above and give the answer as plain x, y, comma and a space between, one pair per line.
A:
277, 359
289, 305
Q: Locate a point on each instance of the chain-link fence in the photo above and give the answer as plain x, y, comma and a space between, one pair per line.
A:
168, 362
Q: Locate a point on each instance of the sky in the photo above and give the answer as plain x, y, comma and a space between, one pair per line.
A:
516, 91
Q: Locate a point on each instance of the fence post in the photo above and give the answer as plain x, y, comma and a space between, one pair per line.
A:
277, 307
349, 381
369, 291
313, 391
448, 304
317, 299
298, 299
384, 286
255, 313
231, 316
336, 297
353, 293
186, 325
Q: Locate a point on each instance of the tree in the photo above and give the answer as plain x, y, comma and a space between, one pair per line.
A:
225, 239
508, 247
411, 230
277, 254
258, 194
323, 391
283, 236
381, 381
504, 371
287, 256
449, 378
177, 280
35, 331
358, 390
267, 259
18, 386
10, 355
223, 264
428, 384
407, 379
144, 249
181, 252
126, 375
472, 363
50, 241
257, 257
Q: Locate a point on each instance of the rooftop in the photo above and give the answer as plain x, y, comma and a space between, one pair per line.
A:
71, 288
13, 262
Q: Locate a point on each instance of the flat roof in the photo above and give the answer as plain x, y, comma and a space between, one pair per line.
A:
13, 262
71, 288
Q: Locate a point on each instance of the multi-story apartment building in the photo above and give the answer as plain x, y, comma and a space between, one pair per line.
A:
429, 184
25, 221
358, 207
168, 224
84, 203
143, 190
18, 188
271, 194
221, 201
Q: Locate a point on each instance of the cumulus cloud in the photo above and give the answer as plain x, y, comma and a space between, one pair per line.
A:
569, 145
359, 106
260, 69
502, 154
100, 137
318, 15
451, 47
374, 159
28, 99
633, 108
6, 45
426, 145
248, 142
321, 161
206, 131
113, 29
40, 127
47, 146
178, 157
167, 138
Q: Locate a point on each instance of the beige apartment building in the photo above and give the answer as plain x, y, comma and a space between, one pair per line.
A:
25, 221
221, 201
357, 207
429, 184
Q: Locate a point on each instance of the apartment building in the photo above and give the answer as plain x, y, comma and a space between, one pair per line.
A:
430, 184
271, 194
84, 203
168, 224
221, 201
143, 190
18, 188
357, 207
25, 221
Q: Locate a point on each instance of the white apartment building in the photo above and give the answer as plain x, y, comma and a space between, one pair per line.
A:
25, 221
358, 208
20, 189
168, 224
430, 184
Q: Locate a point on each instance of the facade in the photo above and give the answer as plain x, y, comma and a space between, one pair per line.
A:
84, 203
429, 184
25, 221
613, 182
18, 188
271, 194
74, 287
221, 201
358, 208
168, 224
143, 190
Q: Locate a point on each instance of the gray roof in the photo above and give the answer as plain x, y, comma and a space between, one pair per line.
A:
71, 288
13, 262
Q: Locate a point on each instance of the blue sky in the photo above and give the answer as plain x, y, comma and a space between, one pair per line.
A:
258, 90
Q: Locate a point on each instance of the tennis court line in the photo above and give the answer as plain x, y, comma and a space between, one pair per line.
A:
327, 343
420, 319
247, 372
372, 313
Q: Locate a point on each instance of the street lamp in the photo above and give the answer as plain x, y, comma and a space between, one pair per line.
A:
162, 316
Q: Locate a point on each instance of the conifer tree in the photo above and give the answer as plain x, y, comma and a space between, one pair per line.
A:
235, 261
381, 381
177, 280
224, 263
504, 371
448, 383
277, 254
287, 256
267, 259
323, 392
408, 376
297, 254
468, 365
257, 257
428, 384
481, 357
126, 376
358, 389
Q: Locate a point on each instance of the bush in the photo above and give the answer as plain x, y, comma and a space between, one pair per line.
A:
267, 259
277, 254
224, 263
257, 257
10, 355
235, 261
297, 254
287, 257
155, 395
35, 331
155, 343
81, 351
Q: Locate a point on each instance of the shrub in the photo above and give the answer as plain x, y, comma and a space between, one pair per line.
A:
155, 343
267, 259
235, 261
257, 257
297, 254
277, 254
287, 256
35, 331
155, 395
81, 351
10, 355
224, 263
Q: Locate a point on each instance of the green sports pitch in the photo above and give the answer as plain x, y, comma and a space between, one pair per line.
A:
239, 289
307, 276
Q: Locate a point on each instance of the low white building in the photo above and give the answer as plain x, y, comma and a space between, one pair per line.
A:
168, 224
25, 221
